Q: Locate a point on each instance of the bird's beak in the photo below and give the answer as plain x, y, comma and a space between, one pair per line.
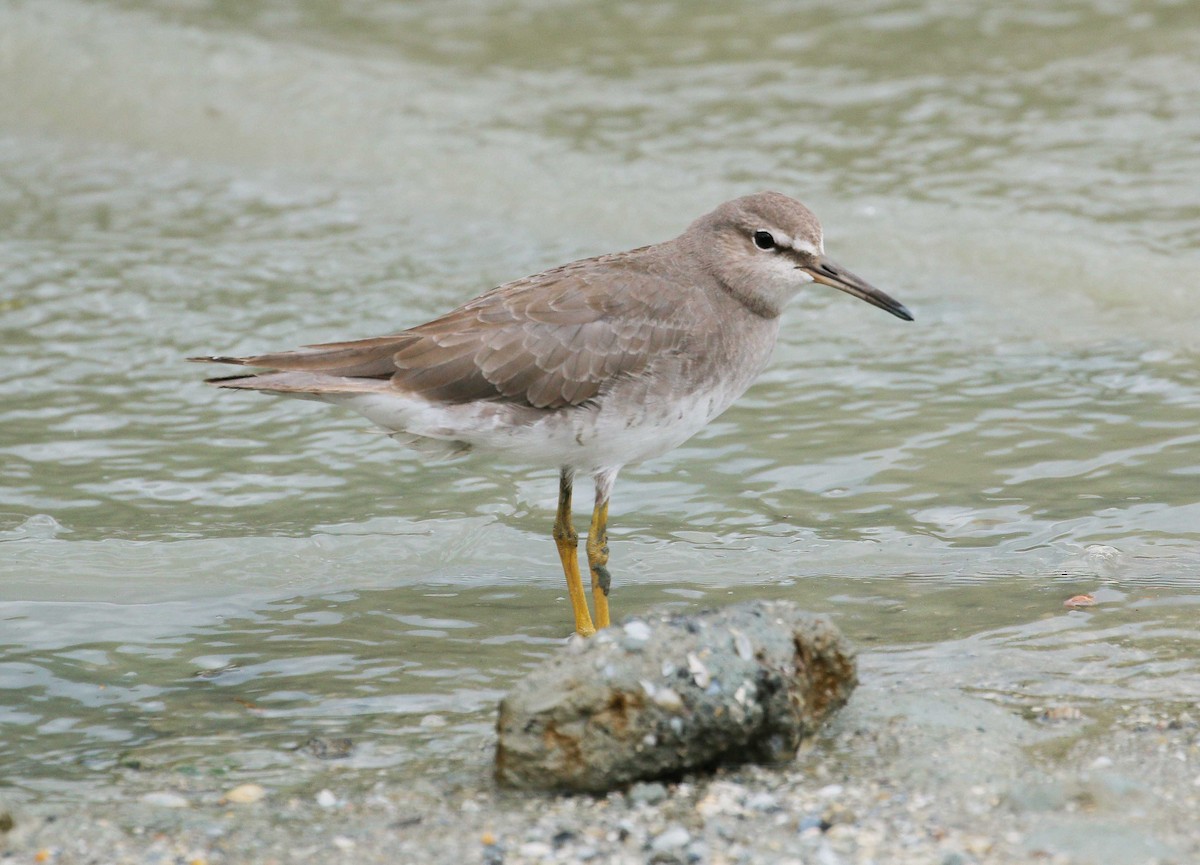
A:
826, 272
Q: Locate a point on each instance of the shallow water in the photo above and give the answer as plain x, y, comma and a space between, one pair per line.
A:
201, 581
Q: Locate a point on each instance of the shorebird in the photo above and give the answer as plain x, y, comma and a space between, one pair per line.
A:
587, 367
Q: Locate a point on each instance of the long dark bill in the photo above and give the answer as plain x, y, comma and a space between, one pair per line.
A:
828, 273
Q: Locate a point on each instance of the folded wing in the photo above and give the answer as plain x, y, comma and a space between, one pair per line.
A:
549, 341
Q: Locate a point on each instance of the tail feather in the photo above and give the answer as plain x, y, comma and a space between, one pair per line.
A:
361, 357
301, 383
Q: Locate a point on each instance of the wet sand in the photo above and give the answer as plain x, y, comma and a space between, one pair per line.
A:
896, 777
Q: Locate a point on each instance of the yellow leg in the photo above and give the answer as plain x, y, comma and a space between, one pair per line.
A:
597, 553
567, 541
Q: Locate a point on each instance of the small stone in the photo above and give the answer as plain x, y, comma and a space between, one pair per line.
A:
327, 749
668, 699
742, 644
637, 630
647, 793
812, 824
744, 695
722, 798
1102, 762
954, 858
669, 844
433, 721
493, 854
979, 845
245, 794
326, 799
165, 800
763, 802
536, 850
343, 843
1060, 714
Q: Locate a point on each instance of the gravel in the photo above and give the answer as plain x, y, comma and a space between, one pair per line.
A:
917, 777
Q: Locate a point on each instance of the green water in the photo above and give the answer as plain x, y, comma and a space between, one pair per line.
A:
200, 581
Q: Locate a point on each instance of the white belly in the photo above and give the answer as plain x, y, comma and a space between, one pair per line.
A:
624, 428
636, 419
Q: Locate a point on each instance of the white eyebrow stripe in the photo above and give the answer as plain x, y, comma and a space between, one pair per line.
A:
800, 245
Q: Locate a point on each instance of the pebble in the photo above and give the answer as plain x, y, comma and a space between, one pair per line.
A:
245, 794
647, 793
742, 644
762, 801
812, 823
327, 749
326, 799
637, 630
673, 840
668, 699
721, 799
1060, 714
534, 850
871, 814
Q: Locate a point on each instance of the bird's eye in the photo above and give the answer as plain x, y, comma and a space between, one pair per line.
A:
764, 240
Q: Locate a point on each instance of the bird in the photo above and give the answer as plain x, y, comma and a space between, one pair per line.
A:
587, 367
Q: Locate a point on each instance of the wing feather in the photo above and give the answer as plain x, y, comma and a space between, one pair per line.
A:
549, 341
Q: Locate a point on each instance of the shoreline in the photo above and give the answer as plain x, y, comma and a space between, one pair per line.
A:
933, 777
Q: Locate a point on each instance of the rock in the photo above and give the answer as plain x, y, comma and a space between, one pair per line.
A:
647, 793
327, 749
746, 683
669, 845
245, 794
762, 801
536, 850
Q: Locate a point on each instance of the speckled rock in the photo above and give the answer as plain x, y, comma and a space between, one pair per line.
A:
660, 696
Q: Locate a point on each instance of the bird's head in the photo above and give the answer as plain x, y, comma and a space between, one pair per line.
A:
766, 247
